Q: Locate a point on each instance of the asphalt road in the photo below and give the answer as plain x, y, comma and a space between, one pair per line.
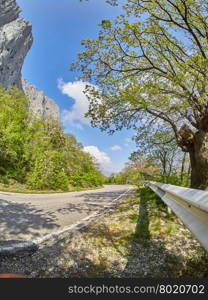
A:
34, 216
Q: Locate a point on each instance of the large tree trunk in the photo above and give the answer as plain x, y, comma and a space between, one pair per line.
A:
199, 161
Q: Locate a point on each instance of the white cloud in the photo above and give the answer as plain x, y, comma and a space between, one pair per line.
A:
102, 158
75, 90
116, 148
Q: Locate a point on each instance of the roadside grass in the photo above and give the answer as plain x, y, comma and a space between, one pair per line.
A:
22, 188
139, 239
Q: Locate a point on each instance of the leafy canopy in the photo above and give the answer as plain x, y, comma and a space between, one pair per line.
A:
150, 65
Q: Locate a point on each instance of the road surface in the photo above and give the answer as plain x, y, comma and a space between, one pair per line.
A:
32, 216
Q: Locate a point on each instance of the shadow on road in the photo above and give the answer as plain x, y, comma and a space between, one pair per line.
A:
90, 202
22, 219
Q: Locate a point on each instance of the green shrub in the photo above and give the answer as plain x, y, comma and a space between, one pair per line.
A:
90, 179
4, 179
60, 181
47, 172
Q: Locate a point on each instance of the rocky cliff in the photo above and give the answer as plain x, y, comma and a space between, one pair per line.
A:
15, 42
42, 105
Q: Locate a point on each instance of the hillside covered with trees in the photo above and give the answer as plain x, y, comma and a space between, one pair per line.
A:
37, 153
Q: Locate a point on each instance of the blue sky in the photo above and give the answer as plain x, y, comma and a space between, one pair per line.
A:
58, 28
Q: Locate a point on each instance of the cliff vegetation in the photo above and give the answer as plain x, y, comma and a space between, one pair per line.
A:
37, 154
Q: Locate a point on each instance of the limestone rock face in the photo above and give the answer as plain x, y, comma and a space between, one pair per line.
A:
15, 42
40, 104
9, 11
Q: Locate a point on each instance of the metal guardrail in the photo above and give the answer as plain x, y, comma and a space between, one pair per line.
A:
190, 205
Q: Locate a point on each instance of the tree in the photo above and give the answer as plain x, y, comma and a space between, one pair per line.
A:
37, 152
160, 147
56, 159
13, 133
145, 167
150, 67
136, 169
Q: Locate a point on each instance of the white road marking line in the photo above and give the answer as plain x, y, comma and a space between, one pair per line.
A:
72, 226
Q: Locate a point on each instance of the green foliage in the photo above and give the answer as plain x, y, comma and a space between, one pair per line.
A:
161, 150
13, 133
60, 181
150, 69
47, 171
162, 162
143, 65
89, 179
129, 175
37, 152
